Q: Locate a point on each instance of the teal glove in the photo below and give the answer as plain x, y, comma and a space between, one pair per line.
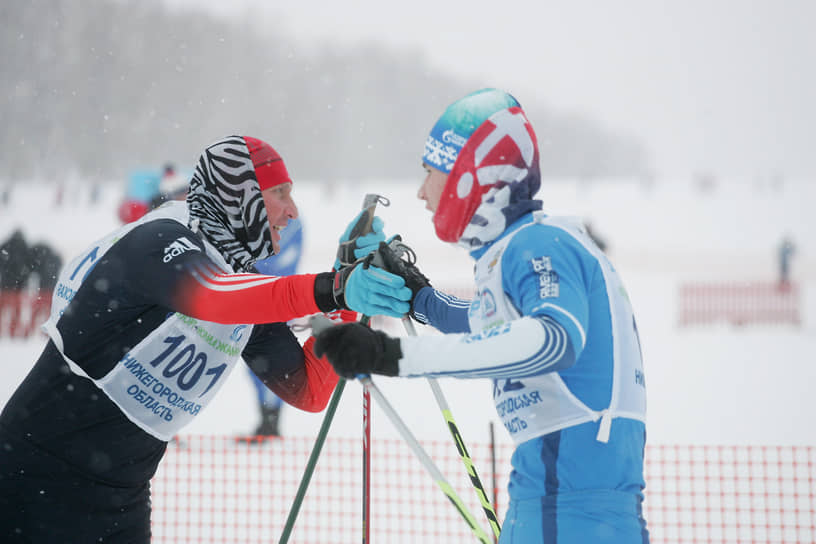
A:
359, 246
371, 291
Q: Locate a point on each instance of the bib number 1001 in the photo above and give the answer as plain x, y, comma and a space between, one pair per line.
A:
187, 366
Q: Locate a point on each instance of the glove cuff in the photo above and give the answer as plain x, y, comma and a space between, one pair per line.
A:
419, 301
392, 353
324, 292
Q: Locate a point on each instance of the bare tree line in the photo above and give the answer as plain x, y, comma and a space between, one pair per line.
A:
96, 87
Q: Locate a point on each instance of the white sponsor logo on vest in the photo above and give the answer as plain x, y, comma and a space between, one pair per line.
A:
547, 278
177, 247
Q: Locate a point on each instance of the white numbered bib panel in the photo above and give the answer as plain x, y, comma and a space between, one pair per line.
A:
542, 404
169, 377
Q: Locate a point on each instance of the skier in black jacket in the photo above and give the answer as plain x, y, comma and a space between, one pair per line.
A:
145, 326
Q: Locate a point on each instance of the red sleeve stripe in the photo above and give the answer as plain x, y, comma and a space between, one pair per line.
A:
211, 270
231, 282
262, 299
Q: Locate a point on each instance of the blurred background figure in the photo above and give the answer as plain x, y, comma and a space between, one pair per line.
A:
147, 189
172, 186
14, 271
5, 194
95, 193
787, 249
59, 194
44, 267
284, 263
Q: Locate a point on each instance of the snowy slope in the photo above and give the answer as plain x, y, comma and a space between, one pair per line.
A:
717, 384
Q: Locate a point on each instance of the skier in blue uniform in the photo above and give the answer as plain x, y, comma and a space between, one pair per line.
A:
283, 263
551, 325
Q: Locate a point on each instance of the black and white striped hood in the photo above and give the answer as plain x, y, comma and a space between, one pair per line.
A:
226, 206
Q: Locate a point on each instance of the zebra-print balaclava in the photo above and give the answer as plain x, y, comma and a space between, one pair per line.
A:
225, 201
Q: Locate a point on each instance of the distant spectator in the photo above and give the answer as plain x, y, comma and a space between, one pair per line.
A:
45, 265
283, 263
172, 186
131, 210
14, 272
96, 190
786, 251
59, 195
142, 187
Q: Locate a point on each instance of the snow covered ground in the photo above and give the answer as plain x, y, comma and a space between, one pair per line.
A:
716, 384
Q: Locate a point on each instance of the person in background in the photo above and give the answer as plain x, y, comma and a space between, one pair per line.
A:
551, 325
172, 186
284, 263
45, 264
148, 189
786, 251
5, 194
146, 325
14, 272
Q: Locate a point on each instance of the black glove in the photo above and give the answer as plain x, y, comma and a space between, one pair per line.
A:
389, 259
353, 348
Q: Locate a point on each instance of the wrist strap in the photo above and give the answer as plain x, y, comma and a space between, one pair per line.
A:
324, 292
339, 286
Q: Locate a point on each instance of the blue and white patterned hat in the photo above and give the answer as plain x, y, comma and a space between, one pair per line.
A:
460, 120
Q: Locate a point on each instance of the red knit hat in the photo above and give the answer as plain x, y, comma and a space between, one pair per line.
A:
269, 167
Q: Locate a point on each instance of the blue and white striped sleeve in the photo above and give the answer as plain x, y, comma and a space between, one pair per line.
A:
444, 312
523, 347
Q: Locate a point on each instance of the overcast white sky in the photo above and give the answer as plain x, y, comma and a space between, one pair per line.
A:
722, 85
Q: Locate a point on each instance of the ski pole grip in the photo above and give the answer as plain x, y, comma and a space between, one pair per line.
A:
363, 225
345, 253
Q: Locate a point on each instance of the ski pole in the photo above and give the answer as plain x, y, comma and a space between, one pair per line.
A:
366, 466
310, 465
320, 323
345, 254
426, 461
493, 468
366, 458
490, 513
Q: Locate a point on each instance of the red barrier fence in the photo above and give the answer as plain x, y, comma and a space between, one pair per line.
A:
23, 311
739, 303
211, 489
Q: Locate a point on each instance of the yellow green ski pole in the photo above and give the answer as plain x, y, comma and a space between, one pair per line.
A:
426, 461
490, 513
